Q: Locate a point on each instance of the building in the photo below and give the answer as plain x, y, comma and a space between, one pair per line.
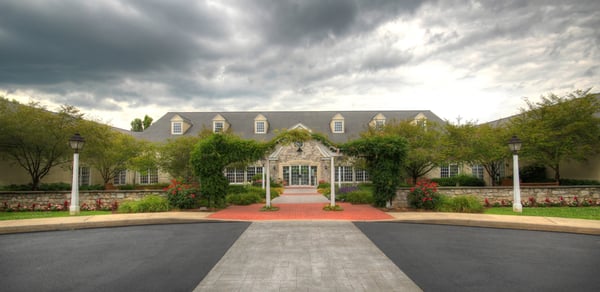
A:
301, 164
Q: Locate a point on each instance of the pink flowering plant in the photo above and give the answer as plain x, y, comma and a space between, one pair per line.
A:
182, 196
424, 195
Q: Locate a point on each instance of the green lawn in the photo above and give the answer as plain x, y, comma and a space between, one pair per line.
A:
564, 212
45, 214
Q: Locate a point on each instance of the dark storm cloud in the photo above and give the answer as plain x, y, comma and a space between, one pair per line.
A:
54, 41
306, 22
108, 54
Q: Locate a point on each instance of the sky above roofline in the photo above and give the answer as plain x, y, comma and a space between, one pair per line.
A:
119, 60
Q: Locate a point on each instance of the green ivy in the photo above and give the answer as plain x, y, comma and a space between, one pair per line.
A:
384, 155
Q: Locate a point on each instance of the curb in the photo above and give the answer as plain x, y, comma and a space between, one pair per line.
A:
99, 224
505, 225
588, 228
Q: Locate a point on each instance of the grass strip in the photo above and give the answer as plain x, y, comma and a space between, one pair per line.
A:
46, 214
592, 213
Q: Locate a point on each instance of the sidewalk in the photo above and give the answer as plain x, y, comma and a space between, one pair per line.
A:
480, 220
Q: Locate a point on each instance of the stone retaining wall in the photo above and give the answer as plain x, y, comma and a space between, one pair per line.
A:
58, 198
497, 194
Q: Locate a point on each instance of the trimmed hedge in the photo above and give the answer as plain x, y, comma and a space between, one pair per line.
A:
460, 180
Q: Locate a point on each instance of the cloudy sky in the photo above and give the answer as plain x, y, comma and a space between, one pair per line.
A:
117, 60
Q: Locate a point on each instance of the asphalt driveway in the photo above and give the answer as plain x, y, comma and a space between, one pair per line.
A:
143, 258
453, 258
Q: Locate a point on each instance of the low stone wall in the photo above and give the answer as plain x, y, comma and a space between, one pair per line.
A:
58, 198
497, 194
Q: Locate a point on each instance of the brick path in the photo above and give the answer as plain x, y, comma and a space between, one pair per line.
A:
312, 211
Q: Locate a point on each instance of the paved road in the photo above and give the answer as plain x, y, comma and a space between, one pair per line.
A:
177, 257
145, 258
452, 258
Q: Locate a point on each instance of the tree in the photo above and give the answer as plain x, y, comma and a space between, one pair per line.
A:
490, 149
385, 155
483, 145
424, 151
175, 157
137, 125
144, 159
212, 154
558, 129
107, 150
36, 139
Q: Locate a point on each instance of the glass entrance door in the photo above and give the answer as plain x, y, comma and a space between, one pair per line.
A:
300, 175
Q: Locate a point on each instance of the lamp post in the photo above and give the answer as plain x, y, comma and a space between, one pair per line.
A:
515, 145
76, 143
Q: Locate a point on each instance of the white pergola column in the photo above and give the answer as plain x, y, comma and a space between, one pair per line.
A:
332, 185
268, 183
263, 177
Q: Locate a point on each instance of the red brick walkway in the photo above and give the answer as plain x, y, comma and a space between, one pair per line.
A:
308, 211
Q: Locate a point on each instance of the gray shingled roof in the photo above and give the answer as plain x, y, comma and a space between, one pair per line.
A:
242, 123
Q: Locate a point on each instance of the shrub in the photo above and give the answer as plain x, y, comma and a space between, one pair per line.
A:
243, 198
151, 203
323, 185
423, 195
126, 187
460, 180
533, 173
360, 197
578, 182
461, 204
245, 195
182, 196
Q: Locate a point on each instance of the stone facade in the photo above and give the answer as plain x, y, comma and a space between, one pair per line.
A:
311, 157
497, 194
58, 198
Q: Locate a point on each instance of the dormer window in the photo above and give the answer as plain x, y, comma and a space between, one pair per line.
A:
261, 126
337, 124
378, 121
420, 120
220, 125
177, 128
179, 125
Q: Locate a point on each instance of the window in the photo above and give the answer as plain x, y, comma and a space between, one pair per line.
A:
338, 127
254, 170
346, 173
177, 128
361, 175
379, 124
218, 127
150, 177
260, 127
84, 176
449, 170
477, 171
234, 175
337, 124
422, 123
120, 178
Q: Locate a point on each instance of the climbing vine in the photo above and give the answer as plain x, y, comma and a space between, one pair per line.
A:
212, 154
384, 156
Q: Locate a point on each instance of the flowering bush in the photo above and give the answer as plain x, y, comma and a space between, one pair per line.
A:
182, 196
423, 195
547, 202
